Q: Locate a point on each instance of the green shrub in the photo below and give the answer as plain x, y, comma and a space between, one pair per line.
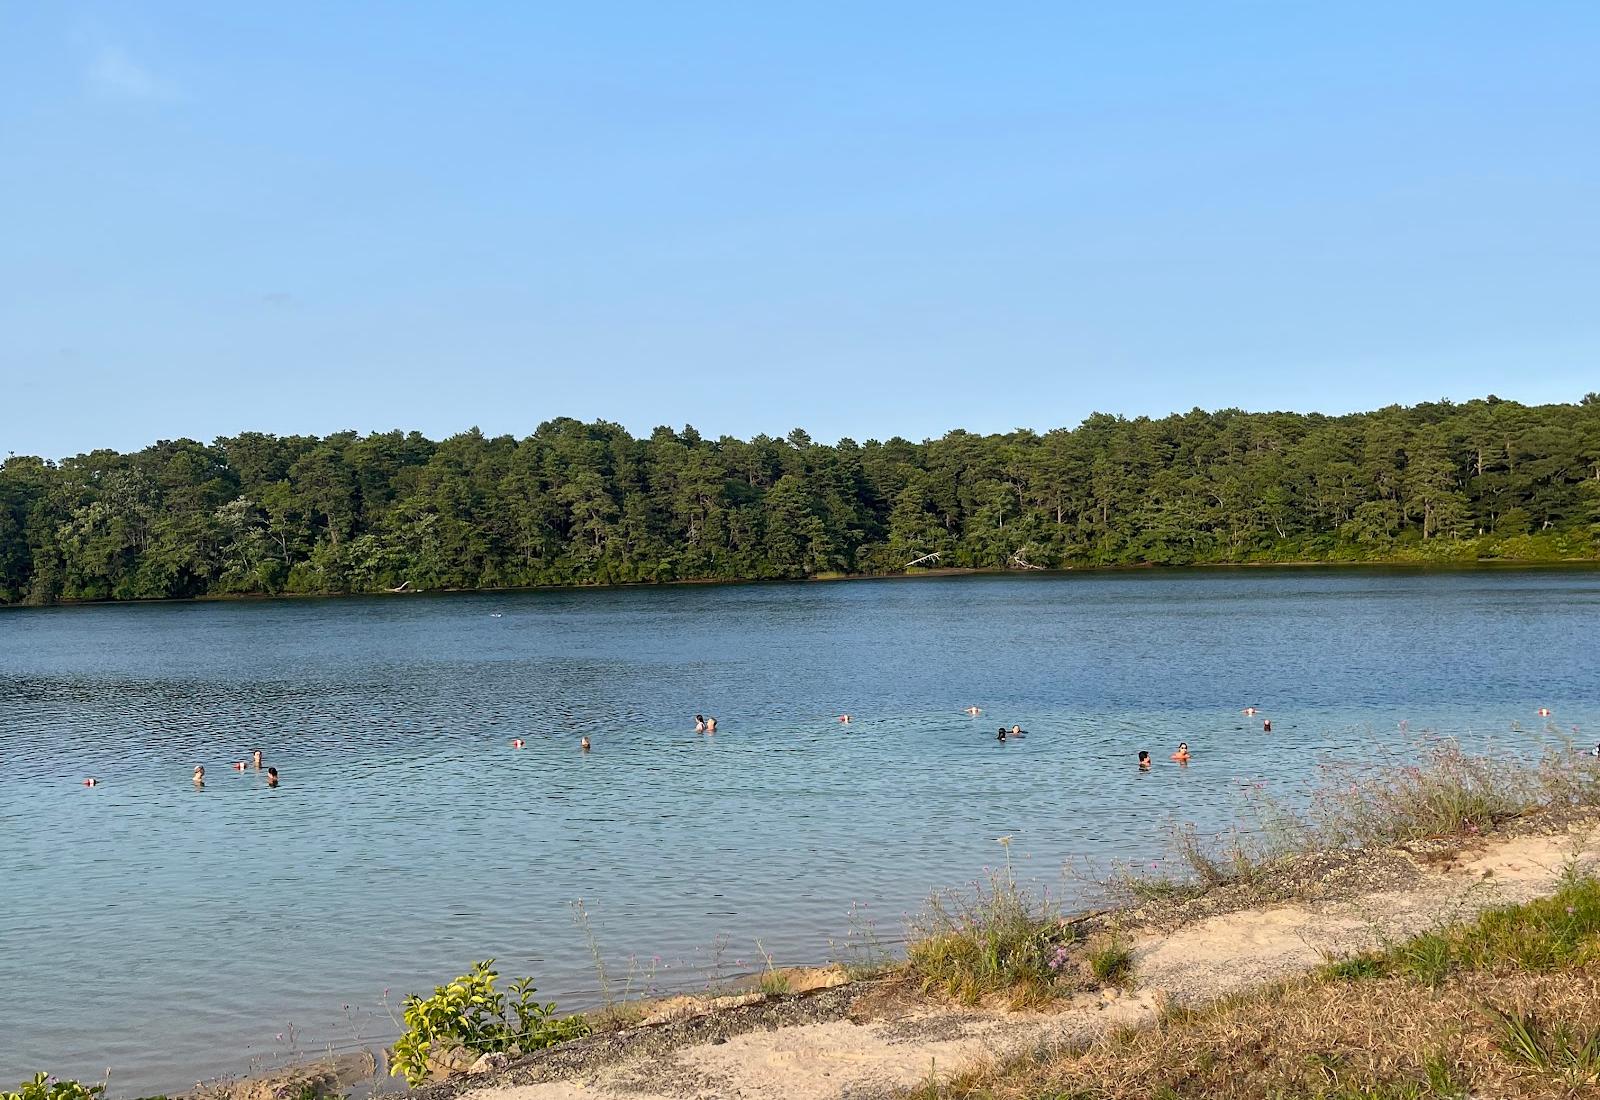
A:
45, 1087
470, 1014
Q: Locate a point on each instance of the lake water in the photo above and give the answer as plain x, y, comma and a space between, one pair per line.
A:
170, 933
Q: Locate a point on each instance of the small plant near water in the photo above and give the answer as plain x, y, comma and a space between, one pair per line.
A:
773, 982
46, 1087
1111, 961
999, 938
1540, 935
471, 1014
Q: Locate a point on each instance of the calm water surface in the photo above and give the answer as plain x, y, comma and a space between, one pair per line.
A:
171, 934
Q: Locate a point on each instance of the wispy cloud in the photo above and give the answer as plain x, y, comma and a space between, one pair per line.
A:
113, 74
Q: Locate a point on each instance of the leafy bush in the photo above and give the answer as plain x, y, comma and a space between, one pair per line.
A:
470, 1014
45, 1087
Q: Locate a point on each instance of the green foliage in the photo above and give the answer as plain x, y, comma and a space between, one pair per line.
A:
470, 1014
582, 503
45, 1087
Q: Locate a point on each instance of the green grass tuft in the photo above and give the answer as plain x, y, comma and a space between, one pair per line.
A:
1111, 962
998, 939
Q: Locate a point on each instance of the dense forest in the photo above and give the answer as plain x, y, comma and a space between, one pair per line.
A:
579, 503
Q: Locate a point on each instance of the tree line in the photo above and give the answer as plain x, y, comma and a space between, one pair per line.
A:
578, 503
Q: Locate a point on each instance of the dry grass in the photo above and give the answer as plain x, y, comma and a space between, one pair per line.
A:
1547, 934
1513, 1011
997, 939
1447, 793
619, 1016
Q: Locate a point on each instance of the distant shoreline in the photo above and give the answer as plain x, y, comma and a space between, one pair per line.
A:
1405, 564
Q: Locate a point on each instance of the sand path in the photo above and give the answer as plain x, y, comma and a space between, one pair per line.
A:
893, 1048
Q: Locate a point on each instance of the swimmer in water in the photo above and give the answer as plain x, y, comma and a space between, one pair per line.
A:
255, 758
516, 742
91, 782
1249, 712
239, 765
845, 718
585, 743
1144, 760
1000, 735
1182, 755
1266, 725
1018, 731
272, 777
711, 725
199, 775
974, 711
699, 723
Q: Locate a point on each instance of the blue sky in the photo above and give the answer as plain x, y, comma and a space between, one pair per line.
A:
865, 220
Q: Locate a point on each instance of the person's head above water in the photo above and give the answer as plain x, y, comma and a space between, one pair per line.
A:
272, 777
1144, 758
